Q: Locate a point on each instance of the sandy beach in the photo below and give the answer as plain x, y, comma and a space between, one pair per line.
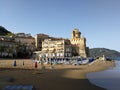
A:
62, 77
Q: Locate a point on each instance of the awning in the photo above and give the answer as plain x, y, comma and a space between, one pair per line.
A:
59, 43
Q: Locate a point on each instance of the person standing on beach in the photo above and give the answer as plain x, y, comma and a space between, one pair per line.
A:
23, 63
36, 64
51, 67
14, 63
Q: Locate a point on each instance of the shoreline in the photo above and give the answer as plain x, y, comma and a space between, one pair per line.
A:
108, 79
62, 77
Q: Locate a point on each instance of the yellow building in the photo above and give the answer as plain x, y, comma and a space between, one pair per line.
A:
56, 48
59, 47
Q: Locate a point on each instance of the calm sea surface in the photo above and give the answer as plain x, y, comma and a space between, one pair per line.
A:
108, 79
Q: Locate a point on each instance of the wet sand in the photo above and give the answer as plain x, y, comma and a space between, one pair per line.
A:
62, 77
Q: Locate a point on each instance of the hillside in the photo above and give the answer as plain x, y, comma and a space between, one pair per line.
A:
104, 51
3, 31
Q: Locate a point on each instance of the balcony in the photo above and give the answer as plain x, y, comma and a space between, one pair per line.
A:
59, 43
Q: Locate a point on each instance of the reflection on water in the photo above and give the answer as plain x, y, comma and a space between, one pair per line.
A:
109, 79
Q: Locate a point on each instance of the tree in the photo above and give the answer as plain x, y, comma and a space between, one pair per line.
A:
10, 34
3, 31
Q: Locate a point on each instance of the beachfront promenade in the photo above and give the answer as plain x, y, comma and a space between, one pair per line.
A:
62, 77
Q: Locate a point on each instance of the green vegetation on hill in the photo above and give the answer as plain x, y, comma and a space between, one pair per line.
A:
103, 51
4, 31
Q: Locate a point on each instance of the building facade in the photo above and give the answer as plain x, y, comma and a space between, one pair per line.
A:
79, 43
39, 38
7, 46
18, 45
28, 42
59, 47
48, 46
56, 48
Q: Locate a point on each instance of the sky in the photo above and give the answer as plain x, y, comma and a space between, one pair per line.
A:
97, 20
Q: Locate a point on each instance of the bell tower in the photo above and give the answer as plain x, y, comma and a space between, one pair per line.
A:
76, 34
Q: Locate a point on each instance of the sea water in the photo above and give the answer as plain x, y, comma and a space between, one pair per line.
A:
108, 79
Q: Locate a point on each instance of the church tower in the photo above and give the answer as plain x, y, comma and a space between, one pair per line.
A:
79, 43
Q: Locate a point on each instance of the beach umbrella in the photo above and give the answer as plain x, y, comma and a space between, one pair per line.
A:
14, 63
